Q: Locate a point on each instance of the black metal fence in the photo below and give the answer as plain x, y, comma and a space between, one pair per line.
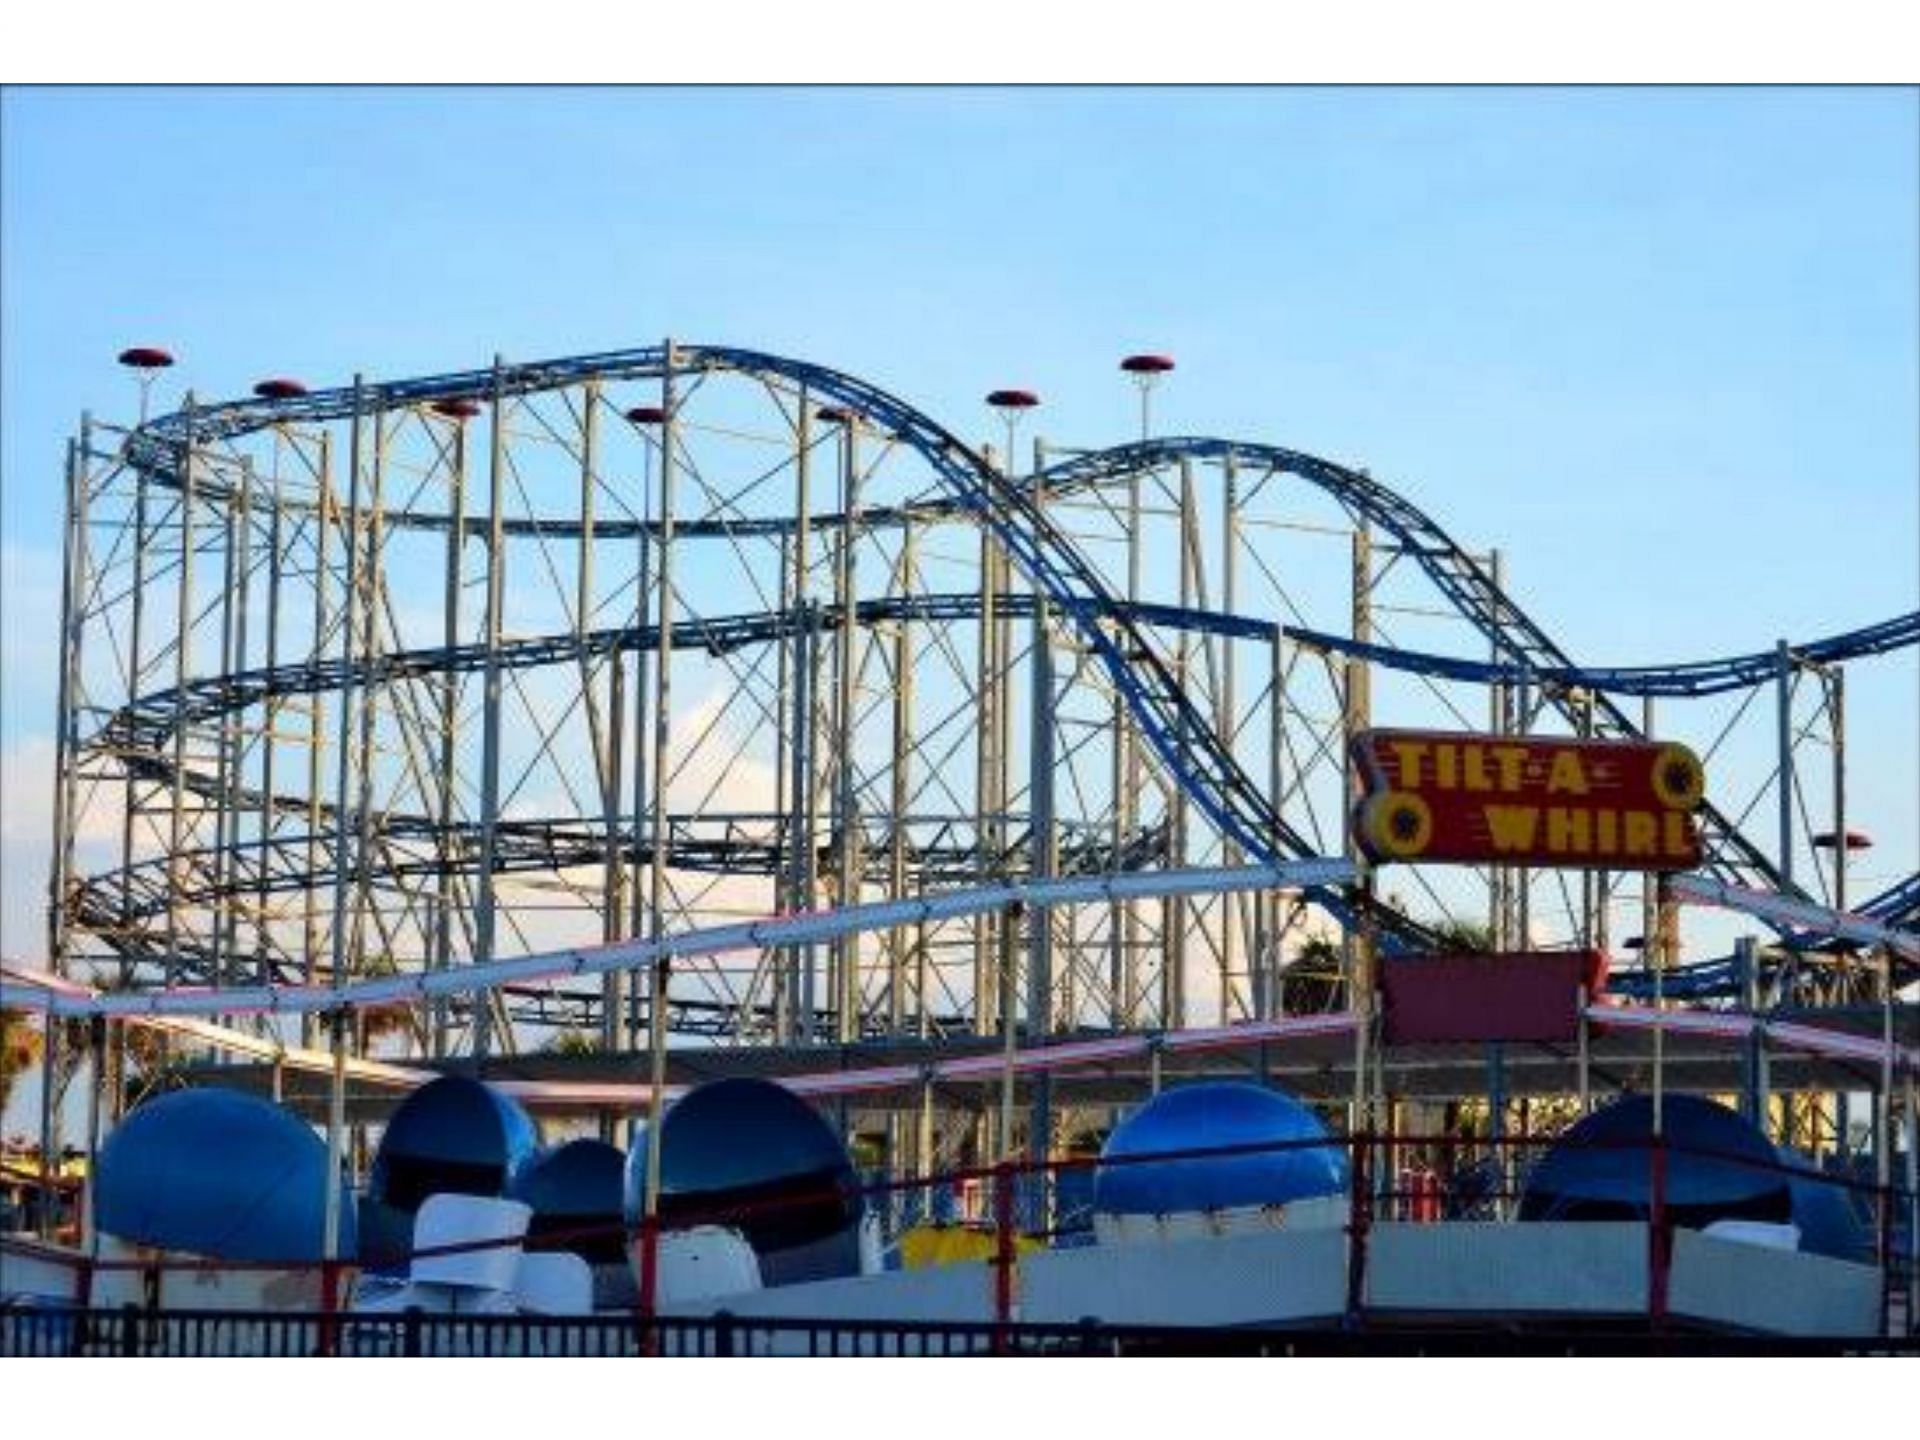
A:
133, 1331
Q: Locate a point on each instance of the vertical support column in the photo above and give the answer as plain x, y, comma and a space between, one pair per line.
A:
1235, 907
336, 1021
269, 814
647, 643
1356, 715
372, 580
1523, 875
1753, 1078
899, 943
235, 744
923, 1146
784, 1000
183, 654
1883, 1102
1125, 964
1596, 885
225, 818
481, 1004
1584, 1039
337, 1016
987, 800
661, 969
1653, 951
135, 676
72, 590
1007, 934
1783, 691
97, 1064
806, 686
1497, 722
325, 517
447, 801
345, 861
1273, 944
1837, 722
804, 675
1041, 861
1912, 1183
1173, 975
848, 860
66, 738
607, 731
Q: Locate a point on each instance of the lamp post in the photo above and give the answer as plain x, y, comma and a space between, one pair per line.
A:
1012, 406
1146, 371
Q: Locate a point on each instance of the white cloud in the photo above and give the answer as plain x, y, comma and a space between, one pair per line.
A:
26, 845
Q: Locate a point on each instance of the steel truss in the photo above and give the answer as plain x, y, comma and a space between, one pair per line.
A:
404, 676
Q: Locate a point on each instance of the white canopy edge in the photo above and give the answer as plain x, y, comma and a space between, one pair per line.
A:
1704, 890
64, 998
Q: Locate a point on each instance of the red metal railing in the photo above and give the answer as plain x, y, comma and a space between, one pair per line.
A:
1420, 1191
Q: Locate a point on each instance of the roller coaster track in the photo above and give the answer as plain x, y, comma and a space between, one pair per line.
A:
1514, 636
1690, 681
940, 850
1118, 636
937, 849
1176, 730
146, 724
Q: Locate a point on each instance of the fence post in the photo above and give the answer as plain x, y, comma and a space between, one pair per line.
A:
723, 1332
1889, 1279
130, 1329
1003, 1254
1357, 1217
649, 1284
329, 1305
1659, 1251
410, 1332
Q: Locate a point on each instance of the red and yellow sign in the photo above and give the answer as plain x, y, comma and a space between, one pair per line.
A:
1519, 800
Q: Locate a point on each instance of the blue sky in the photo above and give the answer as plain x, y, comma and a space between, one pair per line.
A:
1663, 347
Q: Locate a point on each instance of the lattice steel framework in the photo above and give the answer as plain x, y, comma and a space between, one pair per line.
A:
403, 675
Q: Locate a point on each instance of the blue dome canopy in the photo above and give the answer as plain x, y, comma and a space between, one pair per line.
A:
575, 1186
754, 1155
1195, 1117
452, 1136
1601, 1168
1832, 1218
218, 1173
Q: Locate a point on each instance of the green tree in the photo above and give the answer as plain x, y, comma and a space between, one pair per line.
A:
20, 1045
1469, 935
1312, 984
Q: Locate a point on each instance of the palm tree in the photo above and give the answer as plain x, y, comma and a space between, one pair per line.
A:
377, 1022
20, 1046
1468, 935
1312, 984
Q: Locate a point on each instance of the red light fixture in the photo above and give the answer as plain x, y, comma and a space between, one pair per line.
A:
1856, 840
145, 357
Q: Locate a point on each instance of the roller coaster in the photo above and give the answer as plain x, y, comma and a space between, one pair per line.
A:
396, 677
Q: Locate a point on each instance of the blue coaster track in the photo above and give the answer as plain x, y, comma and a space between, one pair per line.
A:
1118, 635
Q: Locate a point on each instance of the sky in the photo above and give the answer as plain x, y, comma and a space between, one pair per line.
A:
1660, 346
